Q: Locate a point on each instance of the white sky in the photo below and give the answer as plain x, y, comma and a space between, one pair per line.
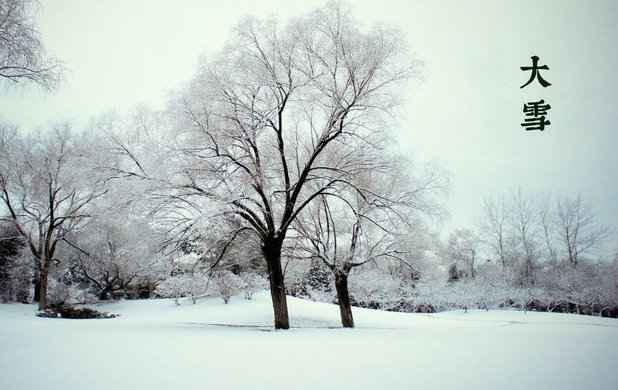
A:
465, 114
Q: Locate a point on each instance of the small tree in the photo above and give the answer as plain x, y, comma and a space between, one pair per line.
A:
578, 231
253, 283
226, 284
11, 243
525, 231
318, 280
182, 285
117, 257
494, 229
462, 252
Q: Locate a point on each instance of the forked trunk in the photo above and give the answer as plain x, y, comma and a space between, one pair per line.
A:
343, 297
272, 254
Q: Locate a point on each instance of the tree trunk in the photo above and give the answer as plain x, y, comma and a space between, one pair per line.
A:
343, 297
272, 254
43, 287
36, 281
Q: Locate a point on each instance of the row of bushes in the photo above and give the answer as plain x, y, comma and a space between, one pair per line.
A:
406, 306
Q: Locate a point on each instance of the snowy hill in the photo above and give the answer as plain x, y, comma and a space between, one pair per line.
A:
157, 345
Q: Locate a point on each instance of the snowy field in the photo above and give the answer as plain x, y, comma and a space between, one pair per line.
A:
157, 345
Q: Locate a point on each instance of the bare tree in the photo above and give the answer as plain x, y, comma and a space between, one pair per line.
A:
462, 249
11, 244
281, 108
342, 246
523, 220
494, 228
46, 188
349, 229
548, 222
578, 230
22, 55
117, 257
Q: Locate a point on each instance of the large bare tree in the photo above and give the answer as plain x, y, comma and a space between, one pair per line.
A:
22, 55
267, 125
46, 188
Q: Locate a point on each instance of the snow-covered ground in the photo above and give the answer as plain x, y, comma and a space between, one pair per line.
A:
157, 345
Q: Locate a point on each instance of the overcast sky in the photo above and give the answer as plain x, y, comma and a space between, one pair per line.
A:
466, 114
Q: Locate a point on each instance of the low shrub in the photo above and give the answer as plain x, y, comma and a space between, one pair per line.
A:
74, 313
